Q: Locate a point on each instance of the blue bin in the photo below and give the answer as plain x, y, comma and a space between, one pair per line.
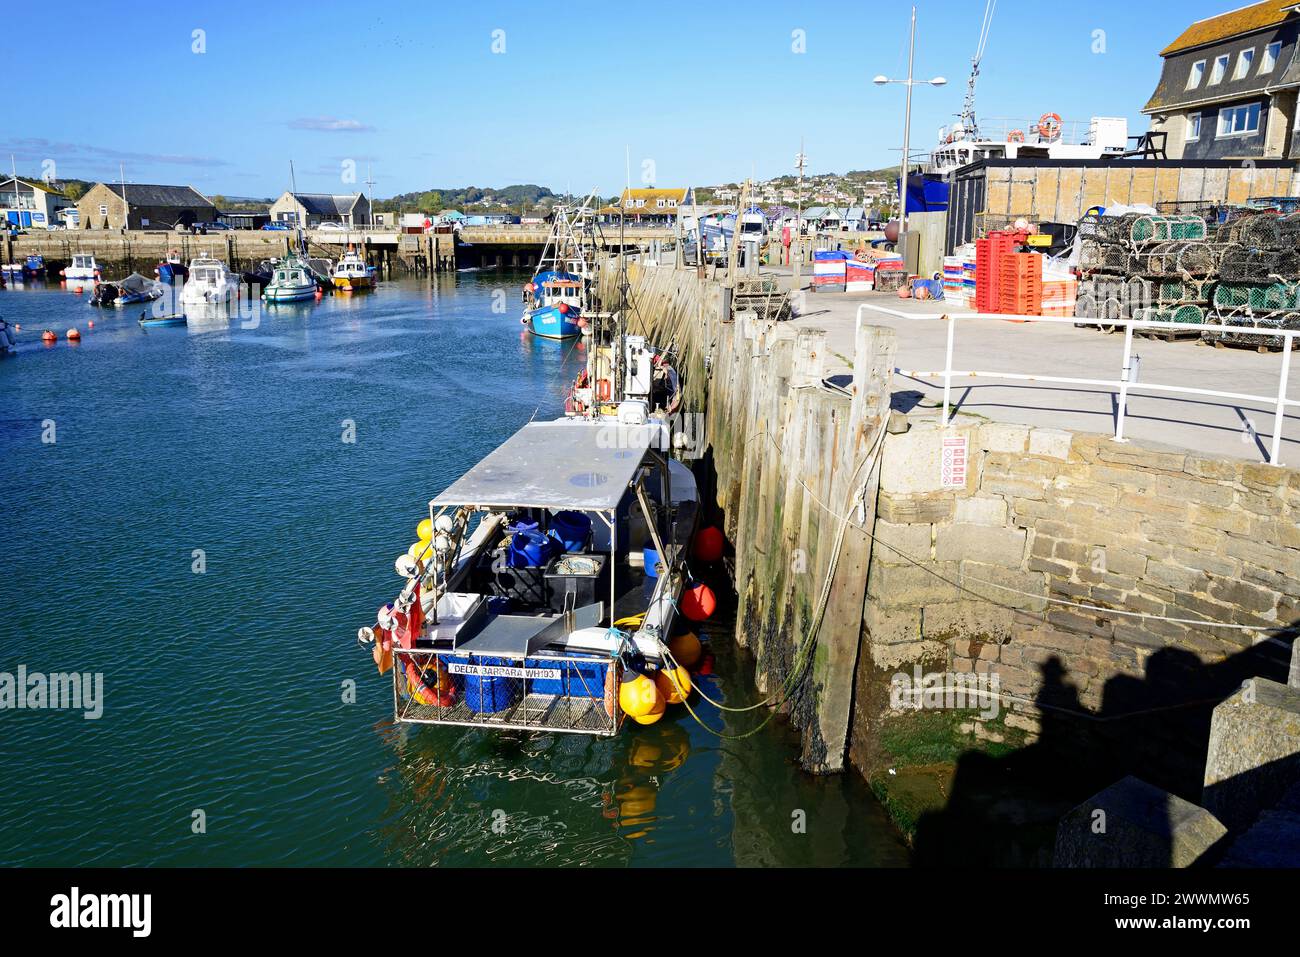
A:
572, 530
651, 558
530, 549
488, 695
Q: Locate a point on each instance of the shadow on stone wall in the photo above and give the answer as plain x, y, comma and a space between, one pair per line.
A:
1004, 811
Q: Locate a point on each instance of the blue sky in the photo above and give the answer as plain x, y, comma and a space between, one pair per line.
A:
698, 92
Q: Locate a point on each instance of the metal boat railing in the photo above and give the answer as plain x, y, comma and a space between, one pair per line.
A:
542, 692
1127, 380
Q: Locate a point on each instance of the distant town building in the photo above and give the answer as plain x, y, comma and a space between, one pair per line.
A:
143, 206
312, 209
649, 207
1228, 87
31, 205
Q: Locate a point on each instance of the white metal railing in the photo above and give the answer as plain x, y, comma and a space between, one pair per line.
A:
1127, 379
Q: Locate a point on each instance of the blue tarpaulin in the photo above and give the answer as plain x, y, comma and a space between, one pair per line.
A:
926, 195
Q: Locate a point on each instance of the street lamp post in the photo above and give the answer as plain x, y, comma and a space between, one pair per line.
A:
907, 133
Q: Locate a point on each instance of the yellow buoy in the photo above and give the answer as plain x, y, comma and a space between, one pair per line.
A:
686, 649
654, 715
420, 550
669, 690
424, 531
639, 695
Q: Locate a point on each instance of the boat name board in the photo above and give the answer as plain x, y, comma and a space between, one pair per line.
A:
505, 671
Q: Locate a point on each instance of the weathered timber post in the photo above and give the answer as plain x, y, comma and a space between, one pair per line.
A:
853, 493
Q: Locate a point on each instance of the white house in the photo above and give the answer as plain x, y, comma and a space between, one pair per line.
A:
31, 205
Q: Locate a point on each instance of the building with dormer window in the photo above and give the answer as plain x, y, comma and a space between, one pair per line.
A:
1228, 87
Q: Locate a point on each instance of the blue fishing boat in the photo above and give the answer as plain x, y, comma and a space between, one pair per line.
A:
554, 305
555, 300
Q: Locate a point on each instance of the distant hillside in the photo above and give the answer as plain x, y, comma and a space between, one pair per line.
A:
514, 198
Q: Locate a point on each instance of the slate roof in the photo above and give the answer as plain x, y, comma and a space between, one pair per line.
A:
147, 194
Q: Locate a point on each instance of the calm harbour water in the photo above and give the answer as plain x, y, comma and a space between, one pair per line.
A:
223, 691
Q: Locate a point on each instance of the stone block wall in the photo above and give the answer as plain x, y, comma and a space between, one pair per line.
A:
981, 578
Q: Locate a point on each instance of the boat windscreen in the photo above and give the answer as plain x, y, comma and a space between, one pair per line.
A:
569, 464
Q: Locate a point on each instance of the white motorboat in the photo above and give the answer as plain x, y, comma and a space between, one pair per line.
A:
82, 269
210, 282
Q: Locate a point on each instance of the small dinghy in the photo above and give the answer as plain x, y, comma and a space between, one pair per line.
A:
148, 322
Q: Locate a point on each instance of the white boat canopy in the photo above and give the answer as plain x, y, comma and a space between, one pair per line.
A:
585, 466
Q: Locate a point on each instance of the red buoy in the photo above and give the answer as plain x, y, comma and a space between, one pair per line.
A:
699, 603
48, 336
564, 308
709, 544
73, 335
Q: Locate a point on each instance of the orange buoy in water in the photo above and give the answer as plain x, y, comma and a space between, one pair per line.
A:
709, 544
74, 335
674, 692
699, 603
90, 323
686, 649
48, 336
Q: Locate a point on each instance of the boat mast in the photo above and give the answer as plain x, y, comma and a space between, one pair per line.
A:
969, 125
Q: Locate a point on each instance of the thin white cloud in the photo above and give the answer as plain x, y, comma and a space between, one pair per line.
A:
329, 124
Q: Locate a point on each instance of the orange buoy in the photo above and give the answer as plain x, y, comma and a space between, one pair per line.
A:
699, 603
48, 336
90, 323
674, 692
686, 649
74, 335
79, 290
709, 544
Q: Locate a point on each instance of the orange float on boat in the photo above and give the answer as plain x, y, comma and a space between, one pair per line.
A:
699, 603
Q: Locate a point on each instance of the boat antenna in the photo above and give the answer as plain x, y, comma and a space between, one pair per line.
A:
969, 125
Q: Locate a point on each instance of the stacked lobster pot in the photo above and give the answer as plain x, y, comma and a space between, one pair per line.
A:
1145, 266
1259, 279
1243, 270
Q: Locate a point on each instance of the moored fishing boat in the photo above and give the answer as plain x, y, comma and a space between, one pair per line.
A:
548, 589
554, 305
291, 281
556, 298
351, 273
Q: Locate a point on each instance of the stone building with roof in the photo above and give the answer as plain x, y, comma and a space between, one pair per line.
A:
143, 206
1228, 87
312, 209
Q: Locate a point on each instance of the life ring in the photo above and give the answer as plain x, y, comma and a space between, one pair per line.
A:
603, 390
612, 679
1016, 136
1049, 126
441, 692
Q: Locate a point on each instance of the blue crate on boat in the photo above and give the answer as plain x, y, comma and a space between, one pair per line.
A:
485, 694
582, 678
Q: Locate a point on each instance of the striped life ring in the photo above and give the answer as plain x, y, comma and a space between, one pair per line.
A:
1016, 136
1049, 126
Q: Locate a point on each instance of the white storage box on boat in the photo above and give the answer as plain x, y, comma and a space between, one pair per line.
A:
460, 616
633, 412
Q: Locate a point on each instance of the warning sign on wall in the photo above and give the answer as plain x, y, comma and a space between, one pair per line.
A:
953, 464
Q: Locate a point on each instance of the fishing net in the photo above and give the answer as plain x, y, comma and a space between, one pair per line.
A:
1085, 306
1259, 339
1115, 259
1139, 293
1177, 291
1116, 229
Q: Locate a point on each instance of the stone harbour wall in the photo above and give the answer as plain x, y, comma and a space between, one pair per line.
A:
961, 577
